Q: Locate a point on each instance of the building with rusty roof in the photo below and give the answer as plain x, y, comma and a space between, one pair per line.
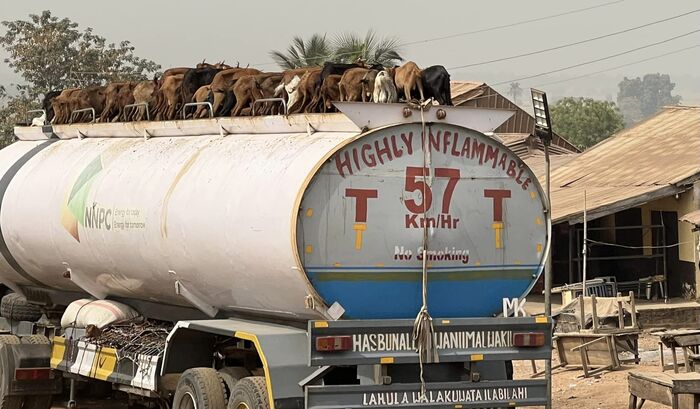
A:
637, 185
516, 132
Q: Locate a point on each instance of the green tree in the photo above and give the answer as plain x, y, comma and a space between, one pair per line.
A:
304, 53
344, 48
12, 111
639, 98
52, 54
585, 121
371, 48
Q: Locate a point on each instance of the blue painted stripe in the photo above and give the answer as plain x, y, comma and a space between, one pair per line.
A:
401, 268
392, 299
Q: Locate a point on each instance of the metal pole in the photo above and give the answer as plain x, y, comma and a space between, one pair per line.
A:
584, 251
548, 271
572, 230
663, 248
71, 399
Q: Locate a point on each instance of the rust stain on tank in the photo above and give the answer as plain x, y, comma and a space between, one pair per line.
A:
166, 201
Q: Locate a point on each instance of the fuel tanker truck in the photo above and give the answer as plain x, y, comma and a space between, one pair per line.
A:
361, 259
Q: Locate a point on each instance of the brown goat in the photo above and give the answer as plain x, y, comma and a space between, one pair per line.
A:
407, 78
329, 93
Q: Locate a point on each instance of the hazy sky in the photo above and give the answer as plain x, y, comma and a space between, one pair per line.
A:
183, 33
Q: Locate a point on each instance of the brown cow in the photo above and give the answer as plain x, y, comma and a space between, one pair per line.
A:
368, 85
124, 98
174, 71
350, 87
143, 94
309, 83
223, 80
89, 97
268, 82
247, 90
117, 95
329, 93
221, 65
201, 95
287, 88
169, 97
61, 106
111, 92
408, 77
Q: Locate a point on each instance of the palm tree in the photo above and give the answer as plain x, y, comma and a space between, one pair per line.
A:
515, 91
314, 51
349, 47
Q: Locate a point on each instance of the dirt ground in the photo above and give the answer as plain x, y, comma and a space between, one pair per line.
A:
605, 391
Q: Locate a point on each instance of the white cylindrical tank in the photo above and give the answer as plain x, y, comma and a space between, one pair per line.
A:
262, 222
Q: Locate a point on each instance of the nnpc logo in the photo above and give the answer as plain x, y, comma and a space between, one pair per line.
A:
75, 212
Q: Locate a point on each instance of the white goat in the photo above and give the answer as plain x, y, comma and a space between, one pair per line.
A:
384, 89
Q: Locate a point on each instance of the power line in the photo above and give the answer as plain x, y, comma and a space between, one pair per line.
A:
588, 40
483, 30
619, 66
517, 23
598, 59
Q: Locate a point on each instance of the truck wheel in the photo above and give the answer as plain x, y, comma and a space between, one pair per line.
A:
35, 339
9, 340
230, 375
250, 393
16, 308
8, 402
199, 388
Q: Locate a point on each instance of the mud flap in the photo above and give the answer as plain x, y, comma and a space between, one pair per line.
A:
13, 357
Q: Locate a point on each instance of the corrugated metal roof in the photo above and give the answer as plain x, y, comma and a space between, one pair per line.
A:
479, 94
463, 91
537, 164
525, 144
692, 217
656, 158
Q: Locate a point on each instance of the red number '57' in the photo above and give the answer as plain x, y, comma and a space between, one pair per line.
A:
414, 182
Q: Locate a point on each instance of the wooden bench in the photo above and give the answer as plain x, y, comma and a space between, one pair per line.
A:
687, 340
598, 349
664, 388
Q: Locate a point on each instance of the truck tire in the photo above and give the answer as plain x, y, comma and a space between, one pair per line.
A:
14, 307
8, 402
199, 388
35, 339
9, 340
230, 375
250, 393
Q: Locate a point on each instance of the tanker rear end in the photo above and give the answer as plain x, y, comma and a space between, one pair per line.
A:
394, 214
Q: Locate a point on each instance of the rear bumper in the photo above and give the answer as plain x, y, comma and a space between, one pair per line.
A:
438, 395
470, 371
